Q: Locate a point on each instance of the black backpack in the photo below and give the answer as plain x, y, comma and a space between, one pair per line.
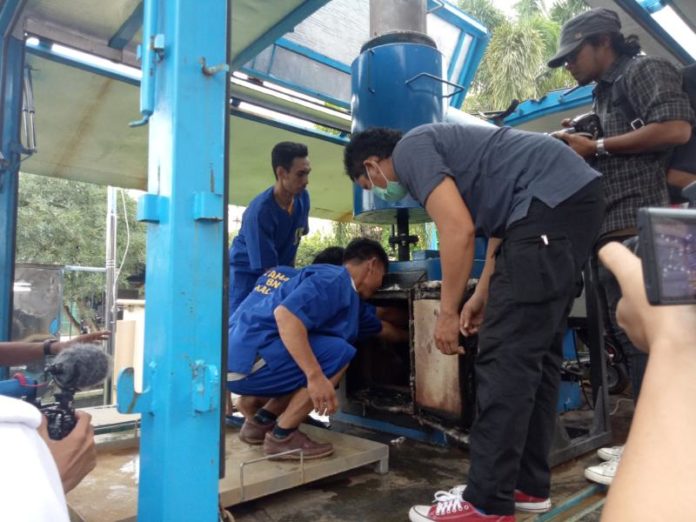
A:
684, 156
621, 100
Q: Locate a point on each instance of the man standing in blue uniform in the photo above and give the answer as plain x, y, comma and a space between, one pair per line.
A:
291, 343
541, 207
273, 224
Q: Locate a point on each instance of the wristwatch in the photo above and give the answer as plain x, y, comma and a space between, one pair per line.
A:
599, 148
47, 346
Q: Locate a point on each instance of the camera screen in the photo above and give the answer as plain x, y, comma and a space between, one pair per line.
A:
675, 257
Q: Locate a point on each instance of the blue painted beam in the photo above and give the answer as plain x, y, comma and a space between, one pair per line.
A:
338, 139
127, 31
45, 50
11, 74
9, 11
469, 27
551, 103
640, 13
184, 317
287, 24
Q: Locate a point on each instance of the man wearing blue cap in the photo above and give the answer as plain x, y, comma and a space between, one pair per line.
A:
644, 113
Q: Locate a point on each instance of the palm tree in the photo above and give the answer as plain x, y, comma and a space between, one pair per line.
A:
509, 67
530, 8
514, 65
484, 11
564, 10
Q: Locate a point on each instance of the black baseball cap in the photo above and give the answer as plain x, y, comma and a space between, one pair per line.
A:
576, 30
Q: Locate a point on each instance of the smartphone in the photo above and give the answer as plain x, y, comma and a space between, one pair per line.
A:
667, 239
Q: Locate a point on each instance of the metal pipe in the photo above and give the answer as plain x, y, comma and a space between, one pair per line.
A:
110, 290
77, 268
28, 112
453, 433
404, 250
11, 67
397, 15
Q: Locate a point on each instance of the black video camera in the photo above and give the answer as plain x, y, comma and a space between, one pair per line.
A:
77, 368
667, 242
586, 124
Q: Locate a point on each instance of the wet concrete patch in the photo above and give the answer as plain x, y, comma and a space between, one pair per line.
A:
417, 470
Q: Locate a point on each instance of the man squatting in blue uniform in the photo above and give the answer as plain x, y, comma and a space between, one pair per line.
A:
273, 224
290, 343
541, 207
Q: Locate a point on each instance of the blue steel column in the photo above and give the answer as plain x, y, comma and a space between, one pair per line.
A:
11, 65
184, 208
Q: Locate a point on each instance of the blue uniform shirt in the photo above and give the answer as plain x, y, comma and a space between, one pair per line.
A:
321, 296
269, 237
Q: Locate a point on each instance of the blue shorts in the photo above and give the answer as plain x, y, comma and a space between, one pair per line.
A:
332, 353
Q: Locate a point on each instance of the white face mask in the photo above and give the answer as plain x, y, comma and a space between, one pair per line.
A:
394, 191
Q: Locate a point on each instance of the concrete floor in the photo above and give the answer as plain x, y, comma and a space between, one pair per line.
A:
416, 471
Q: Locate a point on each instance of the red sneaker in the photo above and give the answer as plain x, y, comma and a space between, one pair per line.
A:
455, 509
530, 504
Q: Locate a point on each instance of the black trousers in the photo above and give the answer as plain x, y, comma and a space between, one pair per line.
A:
520, 348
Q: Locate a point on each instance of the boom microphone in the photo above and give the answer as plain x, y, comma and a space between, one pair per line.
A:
79, 367
76, 368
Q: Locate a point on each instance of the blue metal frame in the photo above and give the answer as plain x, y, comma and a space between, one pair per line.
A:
651, 6
283, 43
44, 49
285, 25
340, 139
473, 60
293, 86
451, 14
551, 103
179, 404
641, 14
11, 75
428, 435
480, 38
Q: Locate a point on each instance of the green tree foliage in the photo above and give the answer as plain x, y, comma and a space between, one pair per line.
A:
484, 11
310, 246
510, 66
563, 11
343, 233
530, 8
64, 222
514, 65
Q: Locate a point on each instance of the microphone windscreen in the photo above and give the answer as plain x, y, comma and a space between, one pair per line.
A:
80, 366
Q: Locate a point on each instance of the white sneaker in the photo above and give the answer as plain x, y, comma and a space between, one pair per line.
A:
610, 453
603, 473
445, 503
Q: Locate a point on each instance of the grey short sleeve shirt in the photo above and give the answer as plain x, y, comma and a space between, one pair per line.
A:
498, 171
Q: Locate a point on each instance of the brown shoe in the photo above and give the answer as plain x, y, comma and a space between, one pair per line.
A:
296, 440
253, 432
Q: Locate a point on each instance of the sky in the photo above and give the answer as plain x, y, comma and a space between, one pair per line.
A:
508, 6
